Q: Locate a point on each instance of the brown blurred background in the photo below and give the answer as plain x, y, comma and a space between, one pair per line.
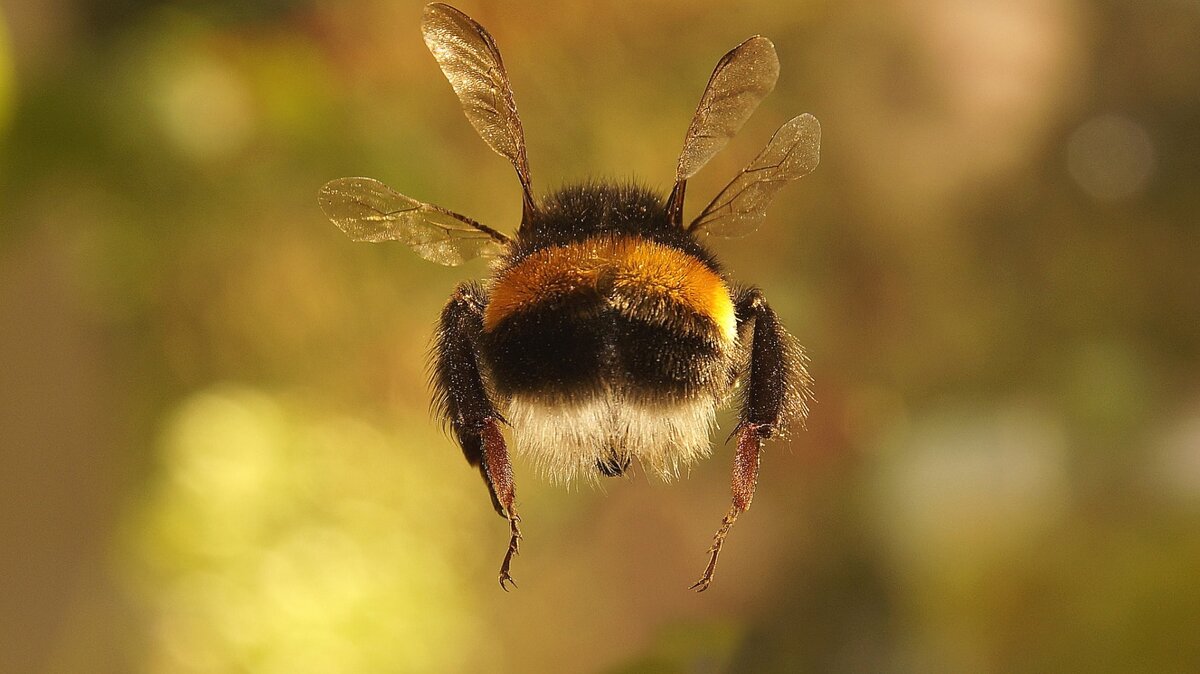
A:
215, 447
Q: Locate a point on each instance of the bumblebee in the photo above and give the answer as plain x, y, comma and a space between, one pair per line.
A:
607, 332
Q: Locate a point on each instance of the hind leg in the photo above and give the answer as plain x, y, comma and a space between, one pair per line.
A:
776, 391
462, 400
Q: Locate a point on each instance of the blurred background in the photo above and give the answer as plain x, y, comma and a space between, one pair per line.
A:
215, 447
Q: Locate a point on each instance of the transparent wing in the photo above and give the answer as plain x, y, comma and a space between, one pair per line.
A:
792, 153
742, 78
471, 62
367, 210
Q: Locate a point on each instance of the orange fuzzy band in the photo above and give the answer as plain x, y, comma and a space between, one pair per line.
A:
632, 267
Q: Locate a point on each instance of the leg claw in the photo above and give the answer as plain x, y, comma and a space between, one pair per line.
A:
505, 578
514, 547
718, 539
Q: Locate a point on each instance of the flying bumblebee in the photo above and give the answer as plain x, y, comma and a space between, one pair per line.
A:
607, 331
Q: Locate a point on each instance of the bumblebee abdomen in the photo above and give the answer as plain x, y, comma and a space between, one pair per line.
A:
609, 313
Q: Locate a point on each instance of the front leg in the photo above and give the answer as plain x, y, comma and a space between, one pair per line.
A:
776, 391
461, 399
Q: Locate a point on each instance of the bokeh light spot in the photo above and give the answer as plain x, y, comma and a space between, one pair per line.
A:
204, 108
1111, 157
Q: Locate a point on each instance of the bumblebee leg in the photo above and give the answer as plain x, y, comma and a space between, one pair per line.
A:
777, 389
461, 399
497, 470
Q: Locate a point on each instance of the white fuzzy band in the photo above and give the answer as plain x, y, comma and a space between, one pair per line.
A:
567, 439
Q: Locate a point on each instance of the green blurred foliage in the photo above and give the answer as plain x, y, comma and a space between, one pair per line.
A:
280, 541
214, 432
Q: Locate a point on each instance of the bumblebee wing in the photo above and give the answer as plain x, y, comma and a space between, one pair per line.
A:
792, 153
367, 210
741, 79
470, 60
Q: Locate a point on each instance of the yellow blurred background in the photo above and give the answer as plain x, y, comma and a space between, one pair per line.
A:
215, 447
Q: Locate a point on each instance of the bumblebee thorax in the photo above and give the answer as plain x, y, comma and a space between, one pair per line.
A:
595, 211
